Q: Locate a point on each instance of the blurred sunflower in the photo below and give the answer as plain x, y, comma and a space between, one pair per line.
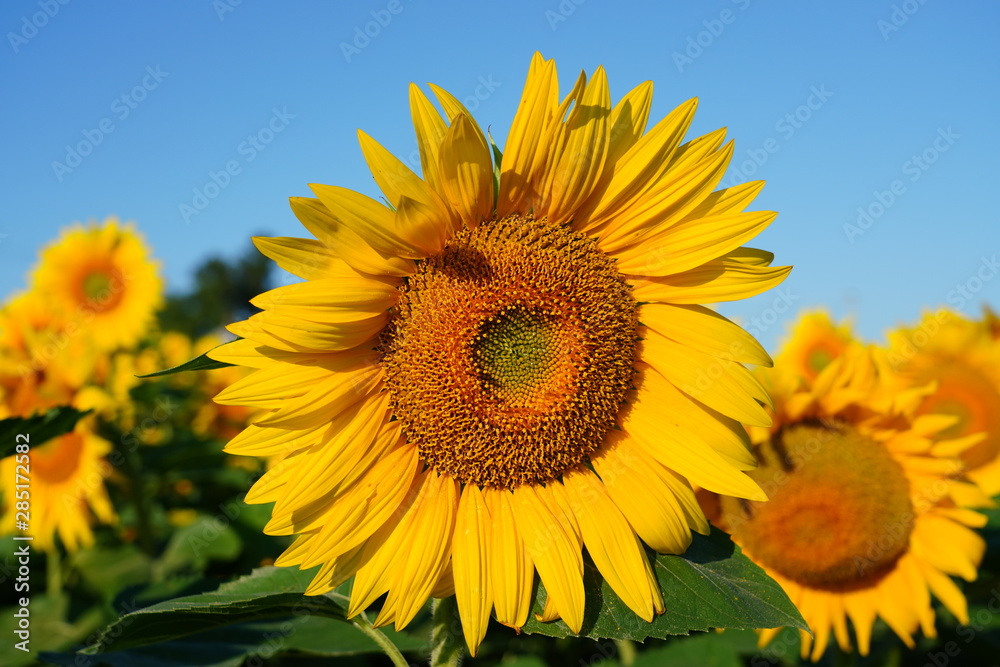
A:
41, 366
868, 515
100, 280
67, 489
962, 358
508, 362
814, 342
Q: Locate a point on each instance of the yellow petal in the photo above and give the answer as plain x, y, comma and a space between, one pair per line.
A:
511, 569
518, 190
639, 169
657, 504
423, 548
466, 171
471, 565
362, 508
712, 282
577, 150
346, 243
684, 185
350, 434
331, 300
691, 243
294, 334
378, 226
611, 543
275, 383
260, 441
430, 129
554, 549
664, 435
720, 384
704, 330
305, 258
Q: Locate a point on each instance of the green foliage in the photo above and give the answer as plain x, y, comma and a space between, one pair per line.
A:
199, 363
40, 427
712, 585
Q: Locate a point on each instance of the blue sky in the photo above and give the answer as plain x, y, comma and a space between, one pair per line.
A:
873, 122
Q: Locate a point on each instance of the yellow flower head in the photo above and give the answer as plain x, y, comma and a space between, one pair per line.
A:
101, 282
480, 379
815, 341
41, 364
962, 359
867, 514
67, 489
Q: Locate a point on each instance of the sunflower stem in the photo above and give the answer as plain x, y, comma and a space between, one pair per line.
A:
626, 652
53, 572
133, 470
362, 623
447, 644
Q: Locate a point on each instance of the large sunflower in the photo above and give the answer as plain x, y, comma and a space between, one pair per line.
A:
102, 283
868, 513
962, 358
489, 373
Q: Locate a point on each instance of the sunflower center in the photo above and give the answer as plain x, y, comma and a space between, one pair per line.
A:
967, 394
839, 514
510, 352
100, 290
516, 353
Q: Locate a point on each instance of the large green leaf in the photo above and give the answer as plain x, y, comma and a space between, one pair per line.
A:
713, 585
267, 593
39, 428
231, 646
199, 363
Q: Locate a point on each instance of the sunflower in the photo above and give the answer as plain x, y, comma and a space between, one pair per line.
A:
868, 513
508, 362
102, 282
814, 342
67, 489
963, 360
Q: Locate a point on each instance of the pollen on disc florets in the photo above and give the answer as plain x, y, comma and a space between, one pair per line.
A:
510, 352
839, 514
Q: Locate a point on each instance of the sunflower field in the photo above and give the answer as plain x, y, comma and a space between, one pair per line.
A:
493, 410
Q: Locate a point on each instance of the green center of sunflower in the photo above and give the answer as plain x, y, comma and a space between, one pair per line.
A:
100, 290
510, 352
516, 353
96, 284
839, 514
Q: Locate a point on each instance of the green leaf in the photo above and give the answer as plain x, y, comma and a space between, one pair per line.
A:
232, 645
195, 545
106, 570
266, 593
40, 427
497, 158
713, 585
200, 363
705, 650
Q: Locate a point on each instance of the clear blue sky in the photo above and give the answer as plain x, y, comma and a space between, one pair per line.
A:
887, 80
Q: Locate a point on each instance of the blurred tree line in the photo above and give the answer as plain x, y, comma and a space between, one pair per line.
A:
221, 294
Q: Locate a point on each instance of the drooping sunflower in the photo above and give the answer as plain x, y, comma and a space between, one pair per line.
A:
487, 374
869, 514
67, 477
963, 360
101, 281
